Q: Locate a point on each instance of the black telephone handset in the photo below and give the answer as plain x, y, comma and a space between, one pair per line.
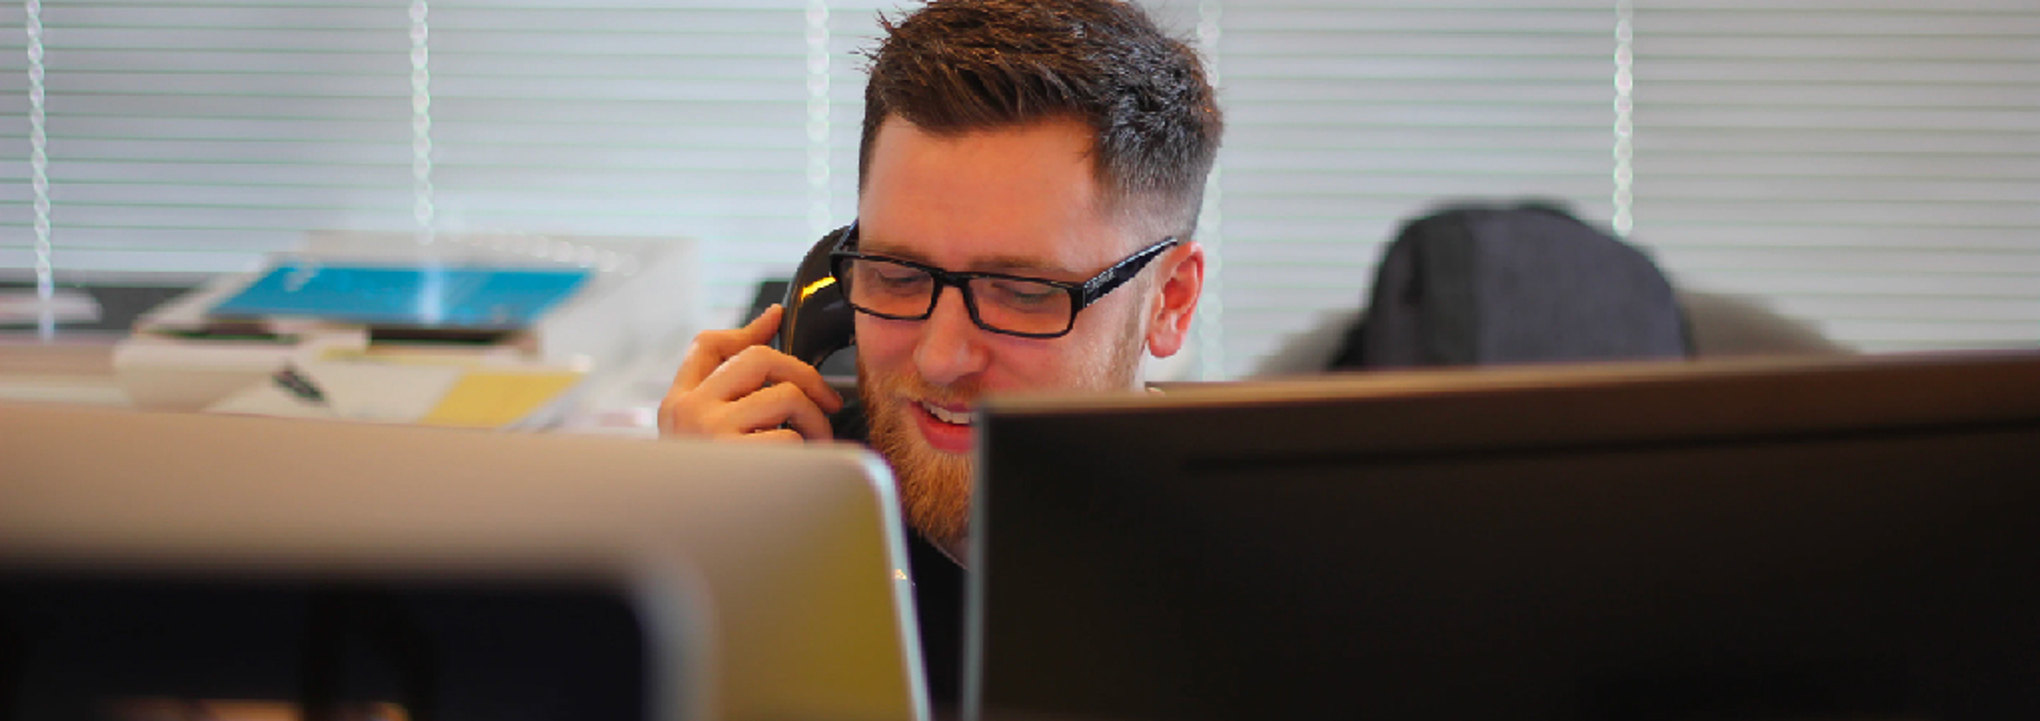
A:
817, 321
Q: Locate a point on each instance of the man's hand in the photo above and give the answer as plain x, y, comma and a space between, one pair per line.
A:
732, 385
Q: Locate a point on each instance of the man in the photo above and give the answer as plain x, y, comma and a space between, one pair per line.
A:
1029, 179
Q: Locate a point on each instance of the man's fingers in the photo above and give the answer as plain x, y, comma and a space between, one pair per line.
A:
768, 409
702, 358
778, 435
730, 385
681, 415
761, 329
764, 411
712, 348
757, 367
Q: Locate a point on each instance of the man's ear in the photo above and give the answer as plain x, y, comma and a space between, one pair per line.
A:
1182, 281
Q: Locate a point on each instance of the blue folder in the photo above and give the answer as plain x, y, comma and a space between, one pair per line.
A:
431, 296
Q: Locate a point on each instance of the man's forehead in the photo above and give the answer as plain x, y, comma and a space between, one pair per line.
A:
1015, 199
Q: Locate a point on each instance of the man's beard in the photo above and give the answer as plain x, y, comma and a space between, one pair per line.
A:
935, 487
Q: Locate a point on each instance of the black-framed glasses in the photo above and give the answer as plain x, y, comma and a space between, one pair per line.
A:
1009, 304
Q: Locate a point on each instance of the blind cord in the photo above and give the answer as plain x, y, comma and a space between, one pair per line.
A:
39, 178
422, 207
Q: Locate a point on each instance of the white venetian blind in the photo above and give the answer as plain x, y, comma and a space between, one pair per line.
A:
190, 137
627, 117
1870, 166
853, 30
1347, 118
193, 136
17, 234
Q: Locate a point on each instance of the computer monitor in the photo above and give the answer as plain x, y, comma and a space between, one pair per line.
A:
233, 559
1753, 540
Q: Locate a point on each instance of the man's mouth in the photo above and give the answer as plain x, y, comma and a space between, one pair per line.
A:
952, 416
946, 428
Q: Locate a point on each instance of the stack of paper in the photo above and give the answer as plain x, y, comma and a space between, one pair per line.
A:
414, 388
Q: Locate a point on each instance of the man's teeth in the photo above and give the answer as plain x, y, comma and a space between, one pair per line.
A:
947, 416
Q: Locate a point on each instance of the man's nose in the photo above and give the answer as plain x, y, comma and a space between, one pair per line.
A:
949, 348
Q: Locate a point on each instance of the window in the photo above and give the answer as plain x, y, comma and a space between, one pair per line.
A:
1873, 168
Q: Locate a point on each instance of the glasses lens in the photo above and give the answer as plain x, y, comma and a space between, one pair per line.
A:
896, 290
887, 288
1021, 306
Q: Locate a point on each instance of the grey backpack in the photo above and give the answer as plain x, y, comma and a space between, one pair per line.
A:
1475, 285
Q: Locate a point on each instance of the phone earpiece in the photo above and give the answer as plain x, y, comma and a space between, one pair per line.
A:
817, 321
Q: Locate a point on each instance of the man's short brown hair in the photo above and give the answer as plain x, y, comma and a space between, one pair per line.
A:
957, 66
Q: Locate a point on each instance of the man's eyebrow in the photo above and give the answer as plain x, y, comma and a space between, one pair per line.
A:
1011, 264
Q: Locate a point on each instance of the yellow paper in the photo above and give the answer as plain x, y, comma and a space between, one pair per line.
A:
485, 398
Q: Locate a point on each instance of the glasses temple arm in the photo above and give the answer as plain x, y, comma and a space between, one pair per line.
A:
1117, 275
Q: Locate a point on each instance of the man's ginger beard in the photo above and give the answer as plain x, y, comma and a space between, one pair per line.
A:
935, 487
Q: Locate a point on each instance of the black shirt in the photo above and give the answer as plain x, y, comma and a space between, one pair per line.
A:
938, 590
